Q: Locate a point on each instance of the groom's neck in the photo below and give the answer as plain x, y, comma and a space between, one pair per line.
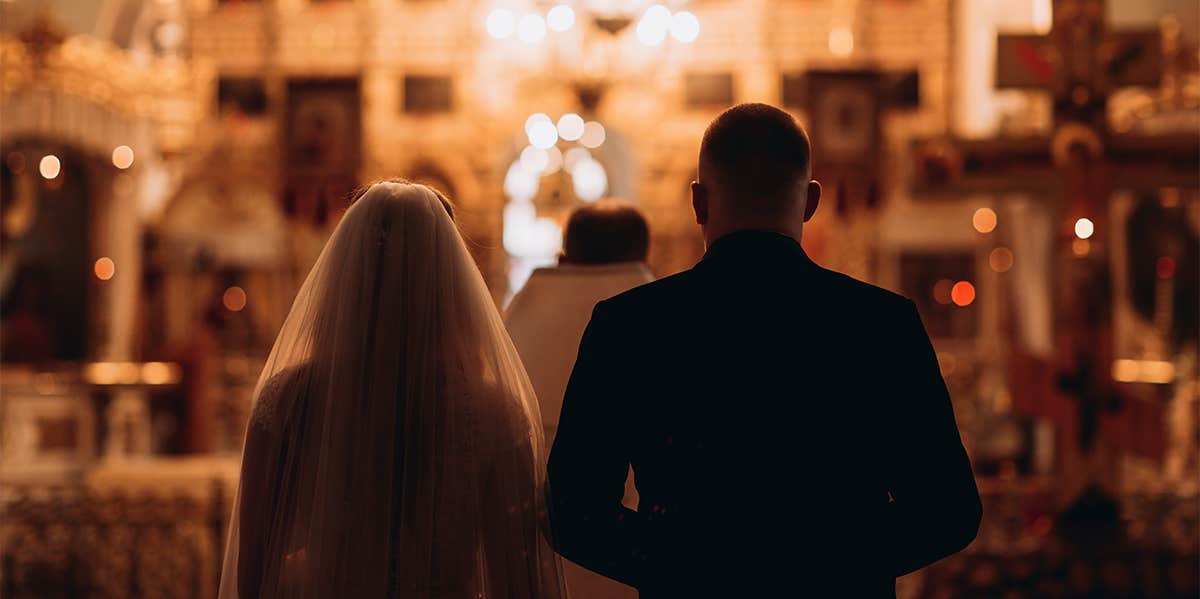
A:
715, 231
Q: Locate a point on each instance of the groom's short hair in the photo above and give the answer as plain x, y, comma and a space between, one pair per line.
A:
755, 151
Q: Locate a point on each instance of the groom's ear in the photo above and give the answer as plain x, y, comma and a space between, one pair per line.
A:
700, 202
813, 199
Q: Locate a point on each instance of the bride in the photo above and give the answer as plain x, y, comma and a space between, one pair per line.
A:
393, 445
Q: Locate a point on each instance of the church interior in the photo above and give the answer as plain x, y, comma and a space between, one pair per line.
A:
1026, 171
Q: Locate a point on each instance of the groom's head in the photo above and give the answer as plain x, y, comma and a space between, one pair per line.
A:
755, 173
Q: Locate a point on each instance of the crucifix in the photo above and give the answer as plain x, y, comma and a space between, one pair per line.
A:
1080, 62
1078, 166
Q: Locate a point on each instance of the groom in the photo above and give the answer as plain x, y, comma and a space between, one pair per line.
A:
788, 426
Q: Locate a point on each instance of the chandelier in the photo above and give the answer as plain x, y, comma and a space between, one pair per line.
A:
611, 17
593, 44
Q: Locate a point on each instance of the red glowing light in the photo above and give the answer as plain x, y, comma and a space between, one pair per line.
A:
1165, 267
963, 293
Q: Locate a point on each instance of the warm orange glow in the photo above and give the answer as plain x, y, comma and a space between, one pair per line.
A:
1084, 228
49, 166
941, 291
963, 293
841, 42
234, 299
112, 373
122, 157
1143, 371
161, 373
984, 220
104, 268
132, 373
1001, 259
1081, 247
1169, 197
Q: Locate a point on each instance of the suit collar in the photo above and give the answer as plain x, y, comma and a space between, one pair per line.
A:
754, 245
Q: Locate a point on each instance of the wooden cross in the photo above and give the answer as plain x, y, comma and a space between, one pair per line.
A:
1080, 63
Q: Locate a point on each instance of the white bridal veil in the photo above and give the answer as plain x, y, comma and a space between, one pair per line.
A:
394, 444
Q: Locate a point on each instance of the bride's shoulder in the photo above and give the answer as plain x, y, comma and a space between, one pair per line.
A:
278, 394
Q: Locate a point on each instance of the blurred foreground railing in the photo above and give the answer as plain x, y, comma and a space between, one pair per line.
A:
1027, 551
146, 531
155, 529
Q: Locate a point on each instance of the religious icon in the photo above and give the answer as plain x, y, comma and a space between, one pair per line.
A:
324, 142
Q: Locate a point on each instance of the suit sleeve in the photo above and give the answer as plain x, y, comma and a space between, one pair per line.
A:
935, 509
589, 462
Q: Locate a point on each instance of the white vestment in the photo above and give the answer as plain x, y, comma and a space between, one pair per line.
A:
546, 320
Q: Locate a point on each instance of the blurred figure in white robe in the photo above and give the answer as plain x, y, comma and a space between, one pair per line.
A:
604, 253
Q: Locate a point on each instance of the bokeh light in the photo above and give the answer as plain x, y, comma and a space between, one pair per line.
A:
593, 135
122, 157
501, 23
49, 166
1081, 247
1001, 259
104, 268
560, 18
589, 180
161, 373
984, 220
534, 159
575, 156
554, 160
169, 35
841, 42
653, 26
543, 134
531, 29
535, 118
941, 291
963, 293
570, 126
520, 184
1084, 228
234, 299
685, 27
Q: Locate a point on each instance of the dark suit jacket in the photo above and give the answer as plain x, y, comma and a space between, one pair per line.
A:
788, 427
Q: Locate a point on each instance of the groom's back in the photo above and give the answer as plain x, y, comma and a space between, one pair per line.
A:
788, 426
755, 425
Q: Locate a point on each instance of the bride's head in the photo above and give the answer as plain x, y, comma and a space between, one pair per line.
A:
392, 216
396, 282
395, 193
